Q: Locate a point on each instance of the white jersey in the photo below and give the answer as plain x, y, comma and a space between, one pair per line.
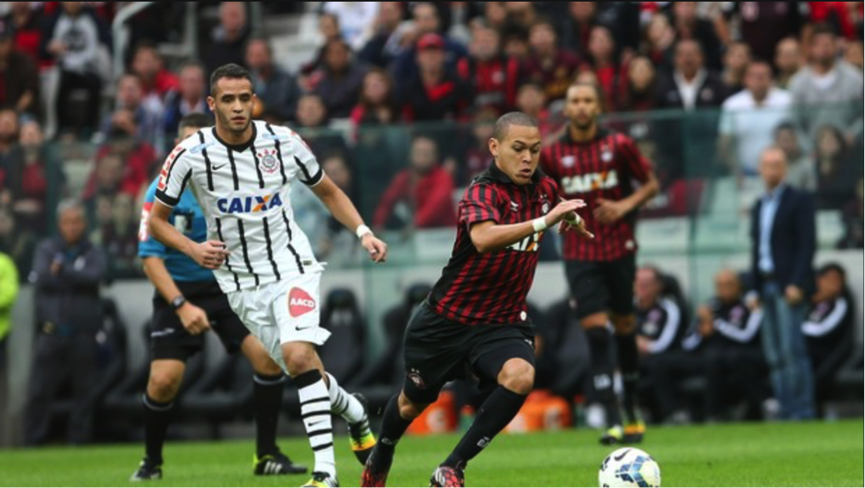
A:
244, 194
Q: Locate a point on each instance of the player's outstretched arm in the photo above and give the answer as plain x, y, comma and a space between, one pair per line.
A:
339, 205
210, 254
488, 236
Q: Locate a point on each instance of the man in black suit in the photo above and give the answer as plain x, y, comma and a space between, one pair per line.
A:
783, 236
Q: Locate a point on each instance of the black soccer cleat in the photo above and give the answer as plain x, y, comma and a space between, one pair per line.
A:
147, 471
360, 436
377, 467
446, 476
276, 464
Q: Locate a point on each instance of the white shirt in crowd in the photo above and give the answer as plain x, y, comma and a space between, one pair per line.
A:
752, 125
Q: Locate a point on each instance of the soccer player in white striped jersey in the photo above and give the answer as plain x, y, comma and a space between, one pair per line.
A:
241, 172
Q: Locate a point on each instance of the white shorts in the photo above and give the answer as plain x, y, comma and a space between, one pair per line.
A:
281, 312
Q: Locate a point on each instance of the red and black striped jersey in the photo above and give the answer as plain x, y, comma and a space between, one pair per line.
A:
603, 168
491, 288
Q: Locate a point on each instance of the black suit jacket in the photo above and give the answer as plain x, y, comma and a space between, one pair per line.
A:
793, 241
711, 93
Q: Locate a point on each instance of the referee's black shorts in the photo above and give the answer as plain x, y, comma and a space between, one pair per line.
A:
438, 350
602, 286
168, 338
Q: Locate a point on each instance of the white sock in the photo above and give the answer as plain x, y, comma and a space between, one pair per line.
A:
344, 404
315, 405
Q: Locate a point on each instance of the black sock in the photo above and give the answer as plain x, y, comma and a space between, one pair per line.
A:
629, 363
267, 401
494, 415
602, 373
156, 417
393, 426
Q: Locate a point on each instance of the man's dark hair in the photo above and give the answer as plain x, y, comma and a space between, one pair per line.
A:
230, 71
196, 120
512, 118
599, 93
833, 266
822, 30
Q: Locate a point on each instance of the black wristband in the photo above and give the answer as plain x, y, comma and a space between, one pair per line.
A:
178, 302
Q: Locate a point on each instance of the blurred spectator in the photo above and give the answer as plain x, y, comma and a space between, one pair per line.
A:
764, 24
377, 104
426, 21
829, 81
854, 221
724, 348
853, 54
67, 272
228, 38
134, 160
532, 101
25, 19
156, 80
621, 18
312, 121
841, 16
801, 172
130, 97
516, 46
328, 29
691, 84
749, 119
603, 62
17, 243
736, 61
36, 179
118, 236
659, 318
492, 75
688, 25
783, 241
189, 97
548, 65
788, 61
73, 37
9, 128
339, 79
496, 16
420, 196
828, 328
436, 92
20, 86
659, 45
837, 168
477, 158
355, 20
637, 93
8, 294
383, 47
276, 91
311, 112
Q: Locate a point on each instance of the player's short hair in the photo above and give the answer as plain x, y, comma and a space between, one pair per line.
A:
230, 71
599, 94
195, 120
500, 131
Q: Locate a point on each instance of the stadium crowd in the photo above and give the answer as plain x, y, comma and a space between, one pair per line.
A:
398, 103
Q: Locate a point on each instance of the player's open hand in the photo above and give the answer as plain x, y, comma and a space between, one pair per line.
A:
610, 211
193, 318
210, 254
576, 224
564, 210
376, 247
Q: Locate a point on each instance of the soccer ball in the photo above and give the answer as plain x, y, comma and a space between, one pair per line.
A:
628, 467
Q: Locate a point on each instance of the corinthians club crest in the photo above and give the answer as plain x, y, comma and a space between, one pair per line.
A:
267, 161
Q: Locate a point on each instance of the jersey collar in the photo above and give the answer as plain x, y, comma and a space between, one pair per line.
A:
600, 134
237, 147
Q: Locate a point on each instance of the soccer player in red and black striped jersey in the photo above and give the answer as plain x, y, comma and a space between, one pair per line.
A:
475, 319
607, 171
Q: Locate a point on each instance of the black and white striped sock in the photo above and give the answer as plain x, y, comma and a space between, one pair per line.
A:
315, 406
344, 404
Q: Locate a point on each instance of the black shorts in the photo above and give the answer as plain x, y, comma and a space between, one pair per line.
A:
602, 286
168, 338
438, 350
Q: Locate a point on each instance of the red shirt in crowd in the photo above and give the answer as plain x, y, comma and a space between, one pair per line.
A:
431, 197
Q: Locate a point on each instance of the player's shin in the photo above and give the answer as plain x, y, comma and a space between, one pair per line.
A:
629, 364
267, 401
494, 415
315, 411
602, 373
156, 418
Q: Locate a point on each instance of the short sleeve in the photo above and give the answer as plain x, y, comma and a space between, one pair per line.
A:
174, 176
636, 164
147, 245
310, 172
479, 204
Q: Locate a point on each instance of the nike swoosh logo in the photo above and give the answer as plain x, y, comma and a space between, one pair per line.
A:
619, 458
317, 423
217, 168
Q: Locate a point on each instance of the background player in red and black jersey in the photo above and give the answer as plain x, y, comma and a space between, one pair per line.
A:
475, 319
601, 167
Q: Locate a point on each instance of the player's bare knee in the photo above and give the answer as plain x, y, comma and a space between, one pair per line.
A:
162, 387
518, 376
299, 357
266, 366
408, 409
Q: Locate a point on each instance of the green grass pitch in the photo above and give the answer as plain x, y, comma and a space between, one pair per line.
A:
814, 454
